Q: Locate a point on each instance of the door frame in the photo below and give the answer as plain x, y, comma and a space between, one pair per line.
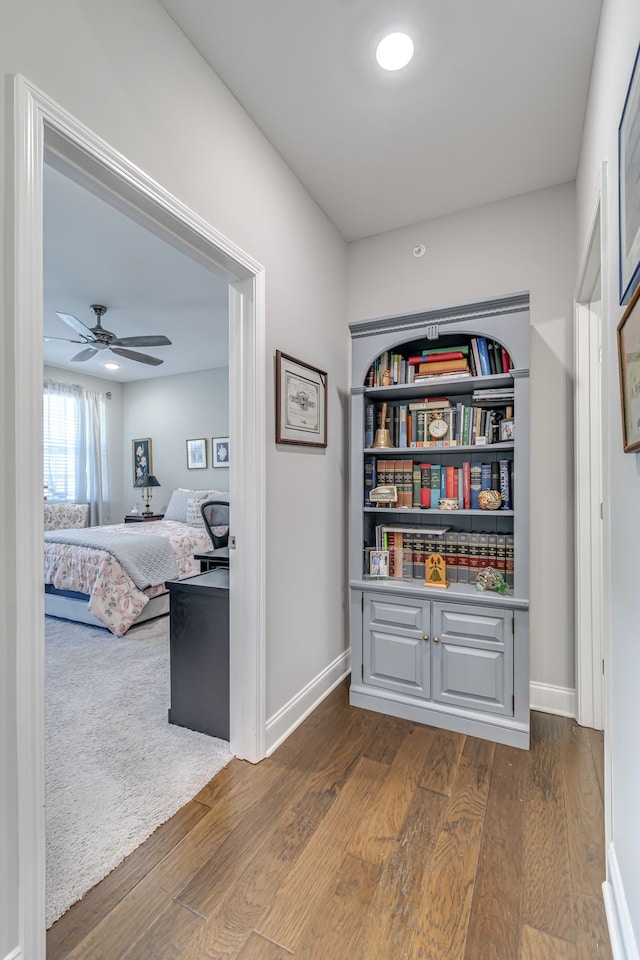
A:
43, 128
589, 473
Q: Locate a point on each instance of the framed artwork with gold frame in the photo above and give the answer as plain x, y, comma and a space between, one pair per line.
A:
629, 365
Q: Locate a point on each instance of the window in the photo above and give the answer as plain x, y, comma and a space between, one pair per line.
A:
75, 446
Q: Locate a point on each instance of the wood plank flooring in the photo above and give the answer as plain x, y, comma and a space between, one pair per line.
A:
365, 837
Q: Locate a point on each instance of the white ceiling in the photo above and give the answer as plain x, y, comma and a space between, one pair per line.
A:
491, 106
95, 254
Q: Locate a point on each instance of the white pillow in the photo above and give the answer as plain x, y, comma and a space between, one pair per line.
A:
177, 506
194, 516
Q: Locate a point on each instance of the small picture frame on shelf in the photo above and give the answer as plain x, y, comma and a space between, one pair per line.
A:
378, 563
197, 454
506, 430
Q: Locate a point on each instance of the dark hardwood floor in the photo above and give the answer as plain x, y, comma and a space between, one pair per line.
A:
369, 838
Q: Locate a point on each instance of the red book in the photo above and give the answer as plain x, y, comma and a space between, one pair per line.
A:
425, 484
432, 357
449, 472
466, 485
506, 360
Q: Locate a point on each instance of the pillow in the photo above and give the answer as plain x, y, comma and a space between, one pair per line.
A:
177, 506
194, 516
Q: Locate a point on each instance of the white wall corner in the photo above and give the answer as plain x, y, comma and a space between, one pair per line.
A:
550, 699
291, 715
621, 935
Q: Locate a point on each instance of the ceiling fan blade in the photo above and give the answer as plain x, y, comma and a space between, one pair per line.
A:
151, 341
63, 339
77, 325
85, 354
140, 357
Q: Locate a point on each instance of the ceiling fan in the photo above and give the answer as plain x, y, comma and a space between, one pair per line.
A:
98, 339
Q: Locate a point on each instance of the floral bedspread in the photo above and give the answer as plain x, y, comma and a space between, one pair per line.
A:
113, 597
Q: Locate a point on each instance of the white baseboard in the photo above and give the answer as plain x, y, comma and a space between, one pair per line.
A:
549, 699
285, 721
623, 941
15, 954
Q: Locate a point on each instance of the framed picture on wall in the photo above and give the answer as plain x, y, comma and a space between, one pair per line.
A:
629, 187
141, 458
197, 454
220, 451
629, 364
301, 402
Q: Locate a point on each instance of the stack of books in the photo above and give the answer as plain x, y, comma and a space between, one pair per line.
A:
441, 363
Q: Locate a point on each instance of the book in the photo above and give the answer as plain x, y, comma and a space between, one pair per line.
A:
436, 470
476, 357
505, 484
506, 360
417, 482
485, 477
425, 485
369, 478
466, 485
369, 424
509, 557
437, 357
483, 353
439, 377
475, 483
442, 366
436, 352
463, 557
432, 404
451, 556
402, 426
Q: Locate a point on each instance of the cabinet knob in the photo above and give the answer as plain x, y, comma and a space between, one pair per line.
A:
426, 637
436, 639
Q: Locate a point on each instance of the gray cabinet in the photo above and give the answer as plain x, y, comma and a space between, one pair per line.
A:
456, 658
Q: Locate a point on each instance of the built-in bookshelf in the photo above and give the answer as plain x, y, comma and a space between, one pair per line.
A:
439, 465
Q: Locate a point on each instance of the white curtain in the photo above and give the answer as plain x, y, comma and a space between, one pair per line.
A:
75, 447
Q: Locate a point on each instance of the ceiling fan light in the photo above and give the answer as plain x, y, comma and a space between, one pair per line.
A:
111, 366
394, 51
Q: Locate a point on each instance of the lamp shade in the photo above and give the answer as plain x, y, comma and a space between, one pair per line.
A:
148, 481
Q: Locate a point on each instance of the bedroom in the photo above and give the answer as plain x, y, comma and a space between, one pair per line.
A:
94, 252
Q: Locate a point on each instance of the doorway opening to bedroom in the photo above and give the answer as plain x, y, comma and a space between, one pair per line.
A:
43, 129
159, 382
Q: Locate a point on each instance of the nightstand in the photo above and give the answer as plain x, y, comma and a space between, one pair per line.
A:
140, 518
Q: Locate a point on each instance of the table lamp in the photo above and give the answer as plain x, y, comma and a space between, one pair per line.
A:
147, 483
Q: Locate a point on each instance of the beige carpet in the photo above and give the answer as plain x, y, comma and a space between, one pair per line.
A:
115, 768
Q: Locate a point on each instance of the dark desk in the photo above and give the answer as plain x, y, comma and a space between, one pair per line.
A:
199, 653
210, 559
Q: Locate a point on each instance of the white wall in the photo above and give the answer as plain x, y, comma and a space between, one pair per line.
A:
114, 408
171, 410
523, 244
126, 71
616, 49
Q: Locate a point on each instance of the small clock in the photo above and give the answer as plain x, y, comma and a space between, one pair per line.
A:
438, 428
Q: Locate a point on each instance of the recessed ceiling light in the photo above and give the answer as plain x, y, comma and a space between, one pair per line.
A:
111, 366
394, 51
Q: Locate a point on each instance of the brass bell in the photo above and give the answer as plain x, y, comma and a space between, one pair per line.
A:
382, 438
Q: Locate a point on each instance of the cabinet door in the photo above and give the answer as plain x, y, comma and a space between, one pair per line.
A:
396, 644
472, 657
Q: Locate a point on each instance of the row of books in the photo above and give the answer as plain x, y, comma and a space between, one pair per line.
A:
476, 357
465, 553
466, 425
424, 484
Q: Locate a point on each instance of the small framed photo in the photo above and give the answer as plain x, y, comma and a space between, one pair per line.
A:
629, 365
301, 402
197, 454
628, 181
141, 459
378, 563
220, 451
506, 430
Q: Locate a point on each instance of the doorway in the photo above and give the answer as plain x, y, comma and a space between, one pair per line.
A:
43, 128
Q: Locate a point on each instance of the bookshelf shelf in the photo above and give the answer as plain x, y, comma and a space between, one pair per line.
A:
458, 657
450, 515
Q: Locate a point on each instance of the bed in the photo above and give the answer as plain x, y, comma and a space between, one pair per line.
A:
114, 576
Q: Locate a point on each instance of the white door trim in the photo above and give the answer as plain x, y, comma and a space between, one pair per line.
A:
41, 125
589, 644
